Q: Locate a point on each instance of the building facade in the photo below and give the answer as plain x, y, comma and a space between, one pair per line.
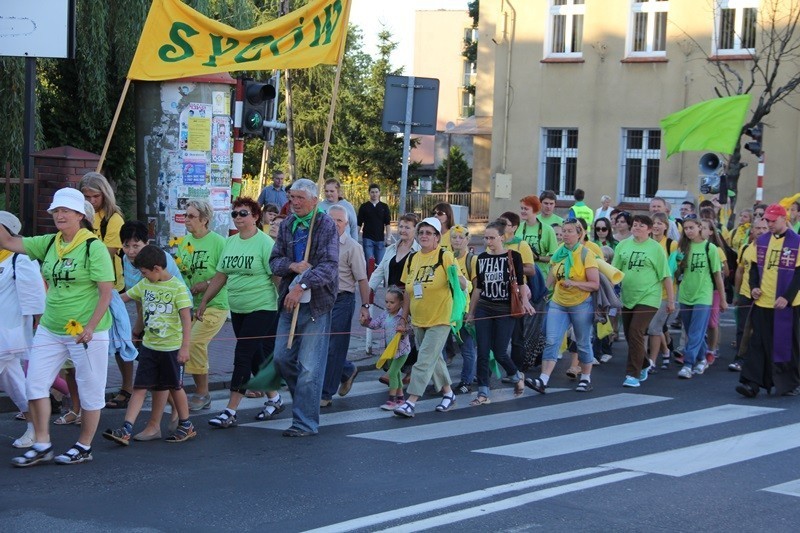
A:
575, 90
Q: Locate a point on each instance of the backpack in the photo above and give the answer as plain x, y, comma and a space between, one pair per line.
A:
53, 241
468, 264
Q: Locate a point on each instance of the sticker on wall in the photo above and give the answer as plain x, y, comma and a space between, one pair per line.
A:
221, 102
221, 145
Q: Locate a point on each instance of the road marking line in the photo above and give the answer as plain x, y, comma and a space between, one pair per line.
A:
375, 413
459, 499
723, 452
790, 488
622, 433
478, 424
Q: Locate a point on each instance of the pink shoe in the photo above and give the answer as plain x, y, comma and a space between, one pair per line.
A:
390, 405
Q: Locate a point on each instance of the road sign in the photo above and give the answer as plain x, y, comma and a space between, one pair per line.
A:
425, 107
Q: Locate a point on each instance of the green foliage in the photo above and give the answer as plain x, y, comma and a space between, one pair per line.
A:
12, 106
460, 173
473, 7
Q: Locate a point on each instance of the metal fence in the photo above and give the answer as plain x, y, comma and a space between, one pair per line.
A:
422, 203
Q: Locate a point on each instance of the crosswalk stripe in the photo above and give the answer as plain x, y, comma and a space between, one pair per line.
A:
374, 413
459, 499
643, 429
466, 426
701, 457
790, 488
510, 503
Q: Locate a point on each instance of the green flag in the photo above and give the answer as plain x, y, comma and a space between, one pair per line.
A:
714, 125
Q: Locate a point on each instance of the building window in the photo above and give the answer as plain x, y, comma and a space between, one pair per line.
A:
467, 104
470, 70
566, 28
560, 160
648, 28
735, 27
641, 157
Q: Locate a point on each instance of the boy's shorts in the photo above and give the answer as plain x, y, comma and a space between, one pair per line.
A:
158, 370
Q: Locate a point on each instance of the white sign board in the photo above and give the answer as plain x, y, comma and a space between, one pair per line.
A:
41, 28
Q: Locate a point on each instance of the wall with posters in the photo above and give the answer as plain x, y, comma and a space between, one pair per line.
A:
183, 151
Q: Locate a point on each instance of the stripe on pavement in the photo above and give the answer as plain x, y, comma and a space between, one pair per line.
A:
790, 488
643, 429
466, 426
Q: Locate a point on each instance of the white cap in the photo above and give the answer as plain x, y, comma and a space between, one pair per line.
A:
69, 198
10, 221
432, 221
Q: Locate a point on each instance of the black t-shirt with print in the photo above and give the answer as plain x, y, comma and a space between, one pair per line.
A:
493, 277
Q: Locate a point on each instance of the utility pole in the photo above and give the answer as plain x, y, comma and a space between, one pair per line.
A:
286, 8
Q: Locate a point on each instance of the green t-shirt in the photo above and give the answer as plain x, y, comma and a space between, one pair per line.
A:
696, 285
161, 305
198, 262
246, 263
72, 281
645, 266
541, 239
549, 221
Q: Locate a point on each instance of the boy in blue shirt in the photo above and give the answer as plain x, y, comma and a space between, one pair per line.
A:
166, 314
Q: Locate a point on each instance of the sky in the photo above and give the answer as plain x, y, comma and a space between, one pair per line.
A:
398, 17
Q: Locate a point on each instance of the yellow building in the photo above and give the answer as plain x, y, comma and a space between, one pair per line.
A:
575, 89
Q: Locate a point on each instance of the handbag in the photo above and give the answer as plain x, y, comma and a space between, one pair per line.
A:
517, 309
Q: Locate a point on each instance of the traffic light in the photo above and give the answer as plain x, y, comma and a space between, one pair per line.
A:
755, 146
257, 99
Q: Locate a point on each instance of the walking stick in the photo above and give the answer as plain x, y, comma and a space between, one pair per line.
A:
305, 258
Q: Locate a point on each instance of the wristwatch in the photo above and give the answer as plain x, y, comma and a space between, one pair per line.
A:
304, 286
365, 306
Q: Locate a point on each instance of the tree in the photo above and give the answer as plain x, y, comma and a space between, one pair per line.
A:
771, 76
460, 173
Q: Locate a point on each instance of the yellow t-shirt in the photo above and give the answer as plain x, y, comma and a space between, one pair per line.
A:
571, 296
747, 257
445, 241
435, 306
524, 250
769, 277
672, 247
111, 240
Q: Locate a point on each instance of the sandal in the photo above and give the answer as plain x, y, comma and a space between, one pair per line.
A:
20, 416
254, 394
480, 400
446, 403
120, 401
584, 386
406, 410
272, 407
573, 372
536, 384
71, 417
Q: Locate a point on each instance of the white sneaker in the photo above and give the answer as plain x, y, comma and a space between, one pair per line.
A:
605, 358
700, 367
685, 373
25, 441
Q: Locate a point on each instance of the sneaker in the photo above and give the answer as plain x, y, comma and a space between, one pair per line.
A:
462, 388
25, 441
198, 403
644, 374
700, 367
223, 420
119, 435
404, 410
33, 457
595, 361
736, 366
630, 381
75, 455
391, 404
685, 372
710, 358
182, 434
347, 384
605, 358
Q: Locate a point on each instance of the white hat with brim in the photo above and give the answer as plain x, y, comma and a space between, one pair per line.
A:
69, 198
433, 222
11, 222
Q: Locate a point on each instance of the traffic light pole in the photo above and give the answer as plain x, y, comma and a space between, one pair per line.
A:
237, 159
760, 178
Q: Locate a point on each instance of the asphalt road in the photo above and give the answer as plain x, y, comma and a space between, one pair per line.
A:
673, 455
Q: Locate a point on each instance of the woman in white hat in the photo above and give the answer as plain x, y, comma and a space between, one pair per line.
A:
80, 278
21, 302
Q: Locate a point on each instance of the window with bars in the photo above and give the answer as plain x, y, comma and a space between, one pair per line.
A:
648, 28
735, 26
565, 34
560, 160
641, 159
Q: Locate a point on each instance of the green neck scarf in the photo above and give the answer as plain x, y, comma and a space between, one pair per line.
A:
564, 254
304, 221
513, 240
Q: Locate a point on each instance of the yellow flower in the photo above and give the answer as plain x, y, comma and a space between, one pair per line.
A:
178, 261
73, 327
189, 248
175, 241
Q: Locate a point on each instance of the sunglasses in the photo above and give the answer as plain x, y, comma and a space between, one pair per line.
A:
241, 213
601, 228
439, 213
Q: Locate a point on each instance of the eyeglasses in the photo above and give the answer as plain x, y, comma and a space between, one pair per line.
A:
439, 213
690, 216
426, 232
241, 213
599, 228
192, 217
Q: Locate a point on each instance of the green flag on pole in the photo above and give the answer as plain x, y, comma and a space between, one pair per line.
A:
714, 125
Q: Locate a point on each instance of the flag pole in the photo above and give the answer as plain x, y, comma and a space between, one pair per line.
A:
113, 124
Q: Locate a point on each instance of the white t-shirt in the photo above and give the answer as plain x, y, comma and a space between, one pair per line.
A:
20, 299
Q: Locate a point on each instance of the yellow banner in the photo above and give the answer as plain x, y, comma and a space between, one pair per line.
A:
177, 41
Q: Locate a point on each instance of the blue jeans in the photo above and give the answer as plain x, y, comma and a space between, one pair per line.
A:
303, 365
373, 249
559, 318
338, 367
695, 321
493, 334
468, 354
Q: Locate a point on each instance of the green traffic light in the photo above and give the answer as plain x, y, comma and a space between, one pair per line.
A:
254, 120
